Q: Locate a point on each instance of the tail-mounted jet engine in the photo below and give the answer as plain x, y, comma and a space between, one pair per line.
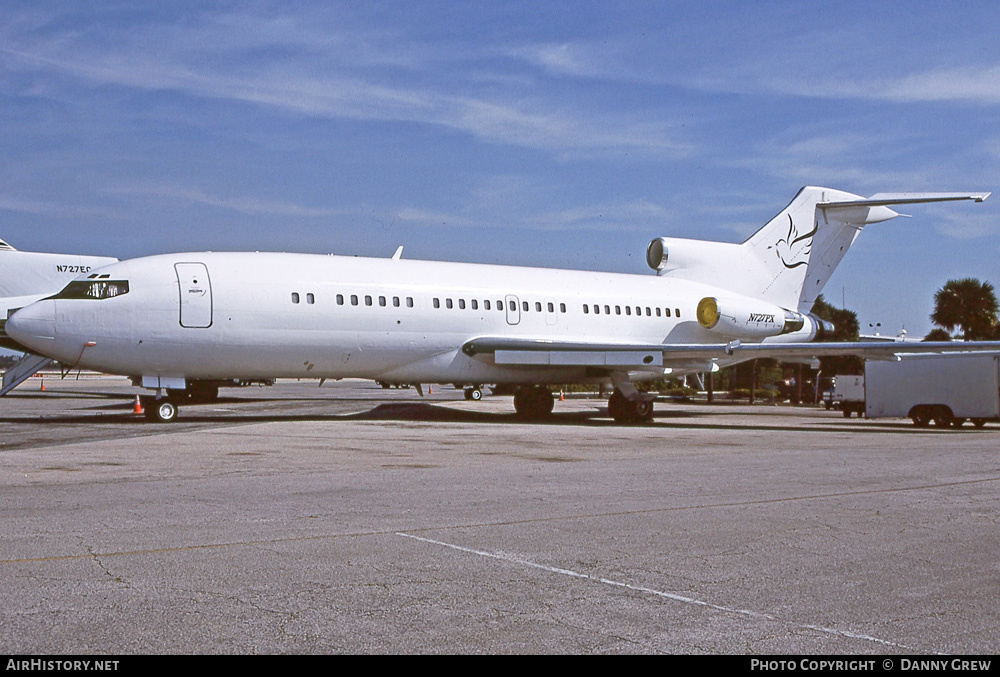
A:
747, 318
669, 253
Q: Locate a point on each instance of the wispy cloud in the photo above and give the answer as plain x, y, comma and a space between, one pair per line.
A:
47, 208
242, 204
290, 73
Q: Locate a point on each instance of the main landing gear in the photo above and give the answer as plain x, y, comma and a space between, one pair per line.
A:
533, 402
624, 410
474, 393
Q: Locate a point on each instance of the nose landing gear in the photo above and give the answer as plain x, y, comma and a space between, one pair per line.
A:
161, 410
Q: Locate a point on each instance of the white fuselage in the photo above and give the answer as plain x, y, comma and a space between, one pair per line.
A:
269, 315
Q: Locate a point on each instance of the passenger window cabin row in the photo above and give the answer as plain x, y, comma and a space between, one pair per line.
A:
596, 309
475, 304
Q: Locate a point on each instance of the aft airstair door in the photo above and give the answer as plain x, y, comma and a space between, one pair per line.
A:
195, 295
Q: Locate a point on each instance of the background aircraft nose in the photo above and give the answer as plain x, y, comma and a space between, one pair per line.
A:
33, 326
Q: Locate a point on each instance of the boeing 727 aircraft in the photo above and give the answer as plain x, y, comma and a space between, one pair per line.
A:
174, 321
26, 277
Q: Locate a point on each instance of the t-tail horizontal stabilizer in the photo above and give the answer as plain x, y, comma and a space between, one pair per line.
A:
889, 199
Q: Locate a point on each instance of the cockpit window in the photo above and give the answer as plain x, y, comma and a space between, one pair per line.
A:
93, 289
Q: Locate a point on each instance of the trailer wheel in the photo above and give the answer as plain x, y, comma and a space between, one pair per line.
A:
920, 418
957, 422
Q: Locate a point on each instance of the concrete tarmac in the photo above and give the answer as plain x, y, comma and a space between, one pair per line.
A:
351, 519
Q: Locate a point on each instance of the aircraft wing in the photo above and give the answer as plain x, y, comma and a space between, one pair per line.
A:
640, 356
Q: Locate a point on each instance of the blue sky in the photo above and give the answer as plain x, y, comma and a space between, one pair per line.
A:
550, 134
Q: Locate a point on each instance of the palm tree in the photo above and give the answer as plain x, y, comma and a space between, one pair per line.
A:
937, 334
969, 304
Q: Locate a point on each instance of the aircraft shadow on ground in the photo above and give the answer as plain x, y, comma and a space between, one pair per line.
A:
425, 412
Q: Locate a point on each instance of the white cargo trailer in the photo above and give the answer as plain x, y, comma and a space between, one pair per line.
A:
945, 389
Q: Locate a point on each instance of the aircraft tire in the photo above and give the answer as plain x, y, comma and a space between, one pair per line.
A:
623, 410
148, 405
545, 402
533, 403
643, 410
164, 411
618, 407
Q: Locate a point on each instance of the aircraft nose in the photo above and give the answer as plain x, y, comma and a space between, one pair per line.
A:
34, 326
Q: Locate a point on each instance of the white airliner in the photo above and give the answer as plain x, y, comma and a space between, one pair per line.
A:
26, 277
175, 321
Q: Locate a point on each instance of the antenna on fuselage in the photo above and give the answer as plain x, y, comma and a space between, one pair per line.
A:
398, 254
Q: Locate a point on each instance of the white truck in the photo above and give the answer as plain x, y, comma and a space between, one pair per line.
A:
945, 389
846, 393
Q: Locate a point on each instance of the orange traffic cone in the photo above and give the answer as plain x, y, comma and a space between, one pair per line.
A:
43, 386
137, 407
430, 391
561, 398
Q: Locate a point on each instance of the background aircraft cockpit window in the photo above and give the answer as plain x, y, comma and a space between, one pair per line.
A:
93, 289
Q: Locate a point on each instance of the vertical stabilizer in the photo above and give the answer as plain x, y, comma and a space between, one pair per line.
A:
797, 251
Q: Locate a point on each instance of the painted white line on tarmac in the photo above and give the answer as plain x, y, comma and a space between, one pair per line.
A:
513, 559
